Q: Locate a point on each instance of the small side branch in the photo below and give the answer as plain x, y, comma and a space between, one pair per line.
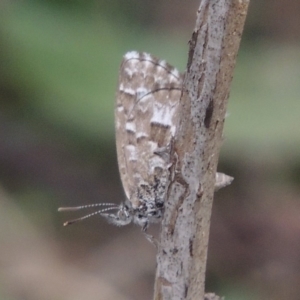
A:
184, 235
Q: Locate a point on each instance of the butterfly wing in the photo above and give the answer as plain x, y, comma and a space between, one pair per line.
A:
145, 115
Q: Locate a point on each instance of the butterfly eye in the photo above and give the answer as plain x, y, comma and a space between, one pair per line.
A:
123, 214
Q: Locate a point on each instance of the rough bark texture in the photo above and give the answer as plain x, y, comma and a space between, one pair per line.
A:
182, 251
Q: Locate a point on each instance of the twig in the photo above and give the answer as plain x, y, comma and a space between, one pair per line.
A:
184, 235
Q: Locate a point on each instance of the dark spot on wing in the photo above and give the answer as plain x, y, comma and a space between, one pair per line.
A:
160, 133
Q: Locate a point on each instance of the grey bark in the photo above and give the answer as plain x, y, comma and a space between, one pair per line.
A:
182, 251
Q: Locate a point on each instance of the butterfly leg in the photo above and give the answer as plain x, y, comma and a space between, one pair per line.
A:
150, 237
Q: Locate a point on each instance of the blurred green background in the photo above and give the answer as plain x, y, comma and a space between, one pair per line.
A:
59, 65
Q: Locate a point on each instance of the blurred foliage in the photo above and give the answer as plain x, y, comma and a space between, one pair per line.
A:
264, 104
67, 63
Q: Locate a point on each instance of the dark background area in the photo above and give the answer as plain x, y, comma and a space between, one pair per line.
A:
59, 64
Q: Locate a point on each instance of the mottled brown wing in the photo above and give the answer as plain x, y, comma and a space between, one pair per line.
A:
145, 116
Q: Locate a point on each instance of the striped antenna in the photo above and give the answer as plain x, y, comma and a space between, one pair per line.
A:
73, 208
113, 206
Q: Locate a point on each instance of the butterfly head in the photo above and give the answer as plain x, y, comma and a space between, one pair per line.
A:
123, 216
